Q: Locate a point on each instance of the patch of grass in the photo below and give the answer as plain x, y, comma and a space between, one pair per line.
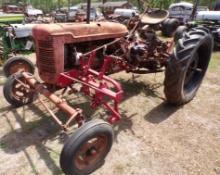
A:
31, 125
3, 146
54, 155
27, 52
2, 80
215, 60
120, 168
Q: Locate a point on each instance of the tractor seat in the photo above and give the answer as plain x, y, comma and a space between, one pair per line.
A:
155, 17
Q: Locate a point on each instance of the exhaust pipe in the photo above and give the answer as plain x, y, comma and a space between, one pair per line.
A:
88, 11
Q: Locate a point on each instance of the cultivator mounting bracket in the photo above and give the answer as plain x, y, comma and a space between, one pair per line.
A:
96, 85
101, 89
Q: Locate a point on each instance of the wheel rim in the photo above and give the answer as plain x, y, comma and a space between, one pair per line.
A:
19, 66
195, 70
191, 70
19, 92
91, 152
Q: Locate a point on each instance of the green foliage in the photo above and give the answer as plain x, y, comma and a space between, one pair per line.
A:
3, 146
215, 62
48, 5
166, 3
12, 19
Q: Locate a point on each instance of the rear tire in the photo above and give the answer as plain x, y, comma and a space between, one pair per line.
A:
169, 27
87, 148
18, 64
179, 33
187, 66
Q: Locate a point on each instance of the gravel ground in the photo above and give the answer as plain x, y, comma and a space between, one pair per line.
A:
153, 138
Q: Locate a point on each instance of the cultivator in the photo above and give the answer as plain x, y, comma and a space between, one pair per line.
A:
95, 85
78, 58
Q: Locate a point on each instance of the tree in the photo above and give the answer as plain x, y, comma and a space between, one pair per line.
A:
48, 5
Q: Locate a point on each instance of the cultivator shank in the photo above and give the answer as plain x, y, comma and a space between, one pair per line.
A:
101, 89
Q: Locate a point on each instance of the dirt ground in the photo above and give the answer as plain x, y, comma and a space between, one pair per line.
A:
153, 138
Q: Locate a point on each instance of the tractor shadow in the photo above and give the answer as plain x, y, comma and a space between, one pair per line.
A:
125, 125
34, 134
133, 88
156, 115
38, 132
161, 112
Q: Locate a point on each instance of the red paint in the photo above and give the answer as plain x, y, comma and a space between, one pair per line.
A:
102, 85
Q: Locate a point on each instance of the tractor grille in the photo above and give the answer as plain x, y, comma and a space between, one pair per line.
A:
46, 56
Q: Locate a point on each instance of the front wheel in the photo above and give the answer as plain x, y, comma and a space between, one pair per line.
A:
15, 93
87, 148
18, 64
187, 66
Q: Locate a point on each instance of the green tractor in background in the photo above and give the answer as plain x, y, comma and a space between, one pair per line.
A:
15, 38
6, 45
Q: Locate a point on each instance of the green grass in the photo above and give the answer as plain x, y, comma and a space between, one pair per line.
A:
27, 52
215, 60
3, 146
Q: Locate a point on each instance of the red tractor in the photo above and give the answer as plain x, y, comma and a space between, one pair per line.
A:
79, 58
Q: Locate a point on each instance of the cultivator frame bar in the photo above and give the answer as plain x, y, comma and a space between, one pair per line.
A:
96, 85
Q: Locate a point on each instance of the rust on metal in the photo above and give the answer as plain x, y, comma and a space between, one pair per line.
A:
91, 152
19, 66
79, 32
60, 103
51, 112
155, 17
85, 54
19, 92
50, 41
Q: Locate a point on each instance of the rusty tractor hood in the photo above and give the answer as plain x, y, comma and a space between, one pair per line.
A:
79, 32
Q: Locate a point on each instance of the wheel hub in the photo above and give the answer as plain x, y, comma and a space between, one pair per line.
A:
90, 152
192, 69
19, 92
19, 66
